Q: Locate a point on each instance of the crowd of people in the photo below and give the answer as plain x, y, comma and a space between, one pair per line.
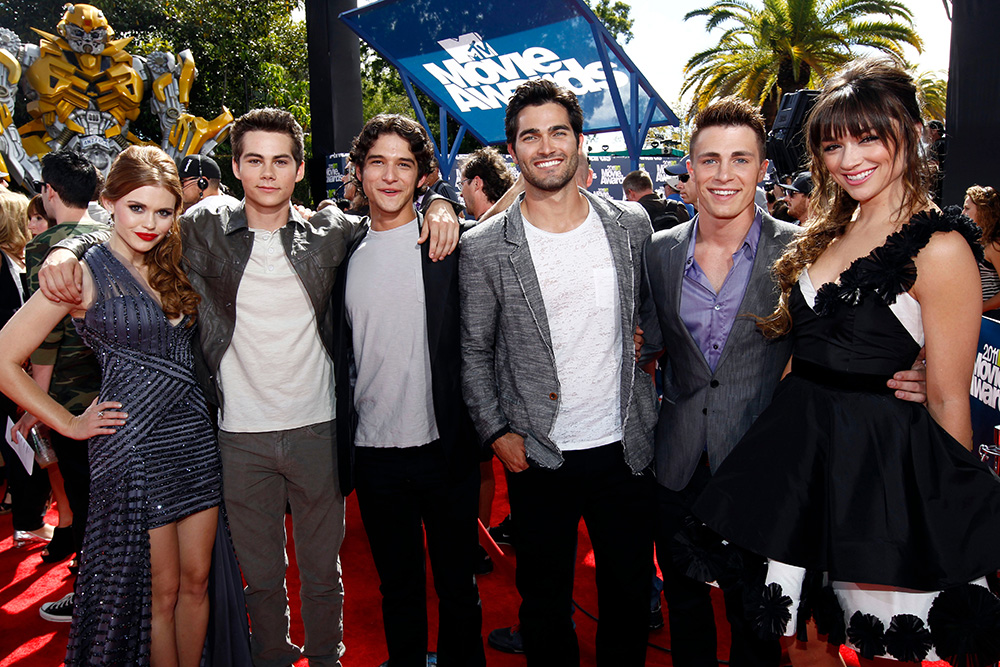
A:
779, 406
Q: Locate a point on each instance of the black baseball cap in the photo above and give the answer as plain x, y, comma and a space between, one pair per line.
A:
196, 166
802, 183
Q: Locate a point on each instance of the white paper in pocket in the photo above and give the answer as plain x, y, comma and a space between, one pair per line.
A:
20, 447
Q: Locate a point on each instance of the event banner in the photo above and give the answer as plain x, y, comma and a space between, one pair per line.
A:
336, 170
985, 393
609, 172
469, 59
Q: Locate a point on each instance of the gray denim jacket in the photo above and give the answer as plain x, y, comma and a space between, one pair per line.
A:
509, 378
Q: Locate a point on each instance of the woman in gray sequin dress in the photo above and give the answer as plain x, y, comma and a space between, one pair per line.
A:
142, 594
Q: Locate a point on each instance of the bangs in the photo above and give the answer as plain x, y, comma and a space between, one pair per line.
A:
855, 112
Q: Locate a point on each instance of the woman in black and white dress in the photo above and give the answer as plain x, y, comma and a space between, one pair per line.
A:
875, 516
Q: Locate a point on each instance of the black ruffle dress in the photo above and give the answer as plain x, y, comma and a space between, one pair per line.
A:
840, 478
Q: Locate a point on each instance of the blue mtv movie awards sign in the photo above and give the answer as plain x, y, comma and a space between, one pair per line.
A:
609, 172
469, 57
985, 395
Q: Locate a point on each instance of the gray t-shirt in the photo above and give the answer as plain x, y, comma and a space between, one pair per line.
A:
388, 317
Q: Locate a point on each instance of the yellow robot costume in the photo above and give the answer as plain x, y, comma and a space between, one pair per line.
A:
84, 92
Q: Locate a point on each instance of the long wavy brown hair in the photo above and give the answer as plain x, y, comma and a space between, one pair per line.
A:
988, 216
136, 167
869, 95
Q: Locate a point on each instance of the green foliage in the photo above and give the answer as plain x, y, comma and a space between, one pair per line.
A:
381, 86
248, 53
230, 40
233, 42
933, 87
616, 17
772, 47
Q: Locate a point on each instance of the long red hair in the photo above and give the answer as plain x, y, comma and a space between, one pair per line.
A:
139, 166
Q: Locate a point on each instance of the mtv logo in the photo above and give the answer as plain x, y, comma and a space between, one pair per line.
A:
470, 46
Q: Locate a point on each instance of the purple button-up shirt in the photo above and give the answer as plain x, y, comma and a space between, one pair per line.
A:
710, 316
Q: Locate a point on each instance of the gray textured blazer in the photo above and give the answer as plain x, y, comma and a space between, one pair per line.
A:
702, 410
509, 376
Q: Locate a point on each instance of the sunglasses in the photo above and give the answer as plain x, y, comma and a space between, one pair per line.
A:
38, 185
683, 178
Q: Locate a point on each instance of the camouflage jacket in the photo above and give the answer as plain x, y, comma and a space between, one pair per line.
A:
76, 377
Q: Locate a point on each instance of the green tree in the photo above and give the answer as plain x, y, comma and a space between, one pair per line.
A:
933, 87
231, 40
616, 17
381, 86
774, 47
249, 53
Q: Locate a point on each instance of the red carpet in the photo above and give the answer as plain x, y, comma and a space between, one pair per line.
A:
28, 641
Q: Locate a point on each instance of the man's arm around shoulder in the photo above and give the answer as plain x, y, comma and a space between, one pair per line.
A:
60, 277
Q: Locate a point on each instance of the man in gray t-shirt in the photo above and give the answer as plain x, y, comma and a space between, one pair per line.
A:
403, 430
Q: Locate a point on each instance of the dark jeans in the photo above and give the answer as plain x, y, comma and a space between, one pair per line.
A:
692, 621
403, 492
74, 464
616, 505
28, 493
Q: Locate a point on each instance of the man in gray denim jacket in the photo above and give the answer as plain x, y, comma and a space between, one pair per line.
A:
549, 293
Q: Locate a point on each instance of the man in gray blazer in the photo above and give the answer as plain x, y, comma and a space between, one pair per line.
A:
703, 282
719, 371
549, 295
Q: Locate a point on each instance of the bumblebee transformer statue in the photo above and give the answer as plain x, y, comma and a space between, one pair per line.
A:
84, 91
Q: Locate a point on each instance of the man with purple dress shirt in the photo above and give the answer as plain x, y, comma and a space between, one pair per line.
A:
718, 370
702, 283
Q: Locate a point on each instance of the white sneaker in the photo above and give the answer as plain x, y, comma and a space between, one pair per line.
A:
60, 611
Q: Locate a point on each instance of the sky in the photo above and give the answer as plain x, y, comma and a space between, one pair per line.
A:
663, 41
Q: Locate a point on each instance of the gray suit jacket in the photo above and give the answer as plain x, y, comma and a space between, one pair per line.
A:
702, 410
508, 366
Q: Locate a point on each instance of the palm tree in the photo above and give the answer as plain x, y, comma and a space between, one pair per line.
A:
787, 45
933, 88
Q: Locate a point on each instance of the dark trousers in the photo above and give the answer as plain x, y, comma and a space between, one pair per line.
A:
403, 492
28, 493
689, 607
75, 468
616, 505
